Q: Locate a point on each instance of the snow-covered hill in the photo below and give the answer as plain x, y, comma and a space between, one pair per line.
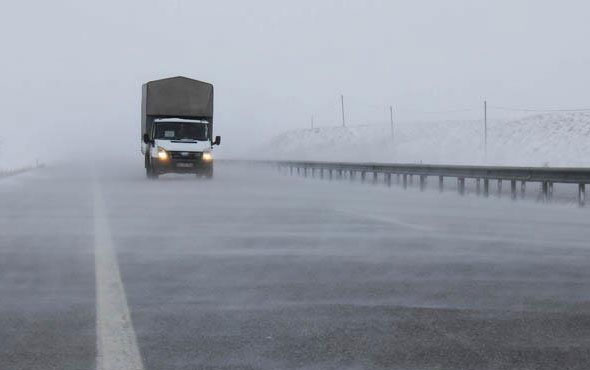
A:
560, 139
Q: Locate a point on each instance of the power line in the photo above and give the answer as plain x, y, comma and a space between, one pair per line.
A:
537, 110
447, 111
441, 111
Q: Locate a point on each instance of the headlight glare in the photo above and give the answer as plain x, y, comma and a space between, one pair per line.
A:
162, 154
207, 156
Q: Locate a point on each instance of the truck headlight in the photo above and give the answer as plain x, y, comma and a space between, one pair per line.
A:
207, 156
162, 154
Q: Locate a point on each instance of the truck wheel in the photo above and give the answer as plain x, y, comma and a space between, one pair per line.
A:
208, 173
149, 170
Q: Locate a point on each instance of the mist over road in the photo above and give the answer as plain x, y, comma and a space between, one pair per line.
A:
257, 270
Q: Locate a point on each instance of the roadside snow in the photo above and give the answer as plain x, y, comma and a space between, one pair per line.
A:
559, 139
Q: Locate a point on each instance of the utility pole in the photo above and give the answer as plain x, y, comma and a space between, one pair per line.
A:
391, 120
342, 102
485, 129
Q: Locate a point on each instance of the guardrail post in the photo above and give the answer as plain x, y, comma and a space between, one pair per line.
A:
422, 182
581, 195
397, 175
388, 179
405, 180
411, 179
330, 174
478, 186
545, 190
298, 172
351, 175
363, 175
486, 187
513, 189
550, 191
461, 185
304, 171
322, 173
499, 188
375, 174
340, 173
441, 183
522, 188
291, 170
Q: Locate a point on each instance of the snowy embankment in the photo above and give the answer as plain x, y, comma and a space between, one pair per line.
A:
557, 139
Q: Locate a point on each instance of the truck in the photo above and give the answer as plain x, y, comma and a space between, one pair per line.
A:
177, 127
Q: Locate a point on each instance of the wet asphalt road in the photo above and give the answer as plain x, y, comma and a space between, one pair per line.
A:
256, 270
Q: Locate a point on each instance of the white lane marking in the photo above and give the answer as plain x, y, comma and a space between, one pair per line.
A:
116, 342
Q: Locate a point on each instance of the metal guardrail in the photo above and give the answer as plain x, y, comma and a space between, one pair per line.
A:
547, 176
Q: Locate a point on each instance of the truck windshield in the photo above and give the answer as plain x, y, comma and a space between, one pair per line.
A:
181, 131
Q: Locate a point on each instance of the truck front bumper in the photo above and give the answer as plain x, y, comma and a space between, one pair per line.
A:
179, 165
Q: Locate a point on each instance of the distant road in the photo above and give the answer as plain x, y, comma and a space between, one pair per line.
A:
101, 268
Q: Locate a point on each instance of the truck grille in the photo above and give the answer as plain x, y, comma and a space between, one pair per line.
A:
186, 155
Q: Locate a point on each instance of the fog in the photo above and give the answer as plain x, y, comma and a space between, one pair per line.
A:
71, 71
249, 267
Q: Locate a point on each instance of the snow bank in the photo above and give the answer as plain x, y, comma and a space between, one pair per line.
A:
560, 139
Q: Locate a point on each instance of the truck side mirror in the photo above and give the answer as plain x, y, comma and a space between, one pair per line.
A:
217, 140
146, 138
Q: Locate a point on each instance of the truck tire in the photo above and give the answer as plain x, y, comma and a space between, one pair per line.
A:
153, 174
149, 169
208, 173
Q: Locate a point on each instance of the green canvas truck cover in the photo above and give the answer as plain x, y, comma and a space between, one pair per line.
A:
176, 97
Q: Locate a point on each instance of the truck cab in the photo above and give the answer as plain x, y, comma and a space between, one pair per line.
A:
180, 146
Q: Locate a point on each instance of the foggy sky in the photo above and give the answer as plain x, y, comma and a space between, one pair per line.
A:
72, 70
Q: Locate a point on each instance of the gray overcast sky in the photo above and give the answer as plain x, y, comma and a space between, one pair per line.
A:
72, 70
